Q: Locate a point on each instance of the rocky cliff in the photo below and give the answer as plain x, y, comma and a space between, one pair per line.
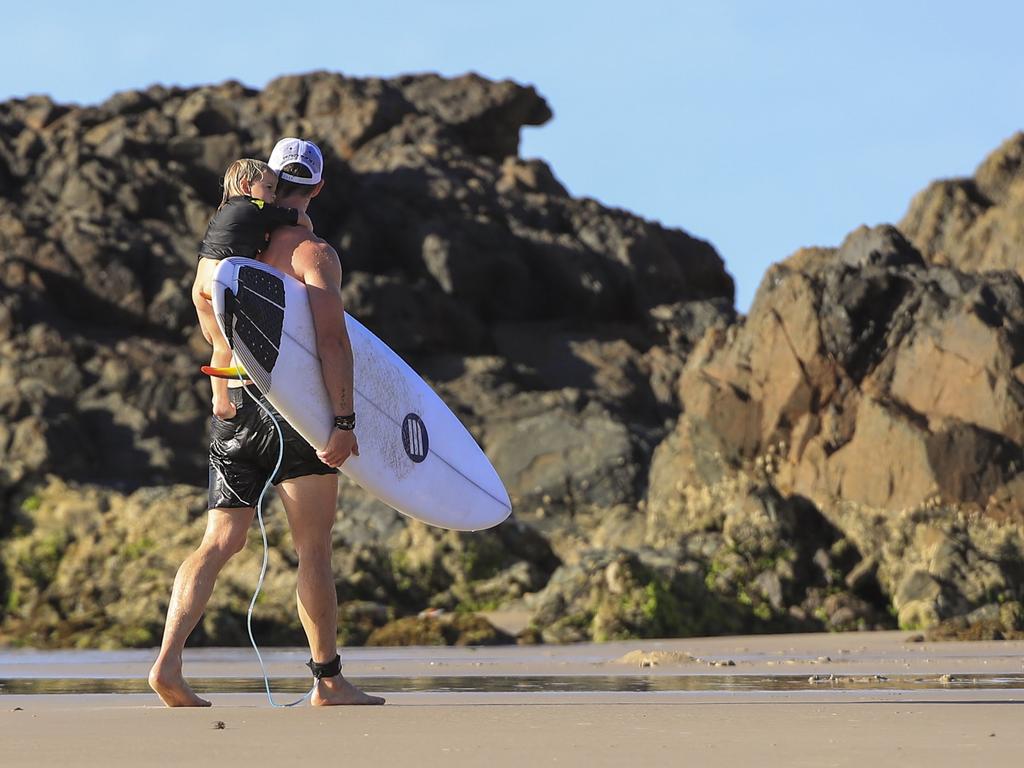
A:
846, 456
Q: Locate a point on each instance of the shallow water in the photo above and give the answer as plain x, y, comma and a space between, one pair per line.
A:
540, 684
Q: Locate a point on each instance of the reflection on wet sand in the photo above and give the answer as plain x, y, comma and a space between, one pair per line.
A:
540, 684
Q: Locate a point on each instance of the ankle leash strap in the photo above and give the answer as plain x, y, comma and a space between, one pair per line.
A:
330, 669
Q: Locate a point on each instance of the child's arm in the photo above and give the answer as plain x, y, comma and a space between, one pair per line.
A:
275, 217
223, 408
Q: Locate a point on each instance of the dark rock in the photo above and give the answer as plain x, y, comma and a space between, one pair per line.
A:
358, 619
882, 246
989, 622
443, 231
486, 115
443, 629
555, 454
613, 595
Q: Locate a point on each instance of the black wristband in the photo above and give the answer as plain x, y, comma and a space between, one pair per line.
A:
346, 423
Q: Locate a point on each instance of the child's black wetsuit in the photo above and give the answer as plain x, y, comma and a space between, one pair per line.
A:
242, 226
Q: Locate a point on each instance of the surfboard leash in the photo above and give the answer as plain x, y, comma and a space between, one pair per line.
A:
266, 549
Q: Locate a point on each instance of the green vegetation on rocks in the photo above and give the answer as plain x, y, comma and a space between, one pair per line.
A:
445, 629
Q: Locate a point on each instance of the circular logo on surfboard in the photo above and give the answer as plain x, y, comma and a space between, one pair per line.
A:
414, 438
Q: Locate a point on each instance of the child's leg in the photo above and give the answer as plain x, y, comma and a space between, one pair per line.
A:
221, 357
200, 294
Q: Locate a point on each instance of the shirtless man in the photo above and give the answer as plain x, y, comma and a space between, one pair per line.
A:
243, 451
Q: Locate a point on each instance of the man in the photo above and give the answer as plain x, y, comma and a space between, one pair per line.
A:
243, 451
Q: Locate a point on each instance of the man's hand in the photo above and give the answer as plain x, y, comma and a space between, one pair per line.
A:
341, 445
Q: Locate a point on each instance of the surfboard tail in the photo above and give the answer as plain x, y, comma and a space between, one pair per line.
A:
233, 372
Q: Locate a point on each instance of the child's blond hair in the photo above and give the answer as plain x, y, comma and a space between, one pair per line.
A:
248, 170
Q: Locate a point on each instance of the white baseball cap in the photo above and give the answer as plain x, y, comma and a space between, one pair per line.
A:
292, 150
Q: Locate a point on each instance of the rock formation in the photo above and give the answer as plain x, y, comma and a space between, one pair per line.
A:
974, 224
886, 393
848, 455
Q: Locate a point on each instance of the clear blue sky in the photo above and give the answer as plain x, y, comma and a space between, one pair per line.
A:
759, 126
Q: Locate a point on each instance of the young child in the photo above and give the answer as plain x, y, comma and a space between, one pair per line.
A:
241, 226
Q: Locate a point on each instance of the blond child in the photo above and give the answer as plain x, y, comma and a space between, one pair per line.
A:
241, 226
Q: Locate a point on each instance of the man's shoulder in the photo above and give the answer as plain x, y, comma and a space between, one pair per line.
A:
312, 248
313, 257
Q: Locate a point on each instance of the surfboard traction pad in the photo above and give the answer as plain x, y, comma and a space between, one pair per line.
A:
254, 322
260, 299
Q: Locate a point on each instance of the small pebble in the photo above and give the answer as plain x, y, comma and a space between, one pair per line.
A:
218, 725
17, 709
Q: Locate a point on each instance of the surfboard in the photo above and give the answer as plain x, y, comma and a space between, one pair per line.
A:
414, 453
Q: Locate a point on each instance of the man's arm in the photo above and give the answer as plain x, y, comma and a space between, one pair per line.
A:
318, 265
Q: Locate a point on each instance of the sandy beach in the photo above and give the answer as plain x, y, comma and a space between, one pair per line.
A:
794, 700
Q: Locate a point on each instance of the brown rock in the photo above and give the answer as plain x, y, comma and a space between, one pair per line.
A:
828, 364
971, 373
1002, 169
443, 629
974, 224
528, 176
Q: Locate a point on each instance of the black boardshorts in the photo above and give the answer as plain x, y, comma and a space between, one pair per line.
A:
243, 452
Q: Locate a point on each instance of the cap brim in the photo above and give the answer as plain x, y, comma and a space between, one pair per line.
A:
297, 179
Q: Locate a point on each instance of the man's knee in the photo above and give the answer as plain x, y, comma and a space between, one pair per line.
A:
310, 550
226, 533
223, 547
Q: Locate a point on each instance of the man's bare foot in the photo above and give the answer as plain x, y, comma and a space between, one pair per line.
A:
334, 691
172, 689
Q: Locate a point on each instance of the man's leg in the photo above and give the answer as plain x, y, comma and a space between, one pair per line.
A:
226, 532
311, 504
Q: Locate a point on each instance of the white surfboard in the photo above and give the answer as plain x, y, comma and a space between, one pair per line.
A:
414, 453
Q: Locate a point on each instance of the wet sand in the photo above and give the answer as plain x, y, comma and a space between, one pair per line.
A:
793, 700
